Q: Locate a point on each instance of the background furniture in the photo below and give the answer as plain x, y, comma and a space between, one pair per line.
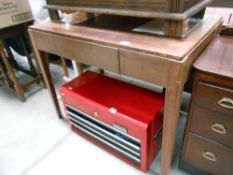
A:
101, 43
59, 61
222, 3
16, 37
208, 143
3, 72
140, 5
173, 18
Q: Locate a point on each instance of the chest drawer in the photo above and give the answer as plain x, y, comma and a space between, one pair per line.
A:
208, 155
212, 125
215, 98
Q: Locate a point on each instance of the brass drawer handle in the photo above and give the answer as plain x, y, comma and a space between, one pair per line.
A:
219, 128
226, 102
209, 156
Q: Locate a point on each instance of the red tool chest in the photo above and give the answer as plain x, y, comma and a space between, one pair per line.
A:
122, 118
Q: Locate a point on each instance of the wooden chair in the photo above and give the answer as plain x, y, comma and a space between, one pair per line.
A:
4, 75
12, 79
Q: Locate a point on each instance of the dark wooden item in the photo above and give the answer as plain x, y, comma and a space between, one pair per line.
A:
158, 60
60, 61
17, 86
18, 31
222, 3
11, 80
140, 5
208, 143
177, 18
3, 74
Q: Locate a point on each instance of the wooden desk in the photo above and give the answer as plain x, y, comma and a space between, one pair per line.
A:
159, 60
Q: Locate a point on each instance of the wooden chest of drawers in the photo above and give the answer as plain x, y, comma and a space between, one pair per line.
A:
208, 141
140, 5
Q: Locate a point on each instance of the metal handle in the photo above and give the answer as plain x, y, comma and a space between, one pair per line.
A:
209, 156
106, 143
219, 128
226, 102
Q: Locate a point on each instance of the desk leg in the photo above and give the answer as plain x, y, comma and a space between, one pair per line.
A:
80, 67
64, 67
41, 57
173, 98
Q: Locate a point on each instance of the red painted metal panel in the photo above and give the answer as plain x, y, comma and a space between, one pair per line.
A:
115, 102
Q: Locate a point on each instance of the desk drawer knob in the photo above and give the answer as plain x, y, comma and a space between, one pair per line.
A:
219, 128
209, 156
226, 103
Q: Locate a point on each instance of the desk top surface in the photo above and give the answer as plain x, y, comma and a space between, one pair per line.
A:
116, 31
218, 57
225, 13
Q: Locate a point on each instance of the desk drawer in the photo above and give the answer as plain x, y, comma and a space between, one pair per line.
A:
208, 155
81, 51
212, 125
215, 98
145, 67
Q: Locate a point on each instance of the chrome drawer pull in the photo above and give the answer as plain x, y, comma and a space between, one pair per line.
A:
209, 156
226, 103
219, 128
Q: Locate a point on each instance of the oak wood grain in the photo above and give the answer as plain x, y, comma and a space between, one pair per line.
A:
144, 67
176, 49
101, 56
